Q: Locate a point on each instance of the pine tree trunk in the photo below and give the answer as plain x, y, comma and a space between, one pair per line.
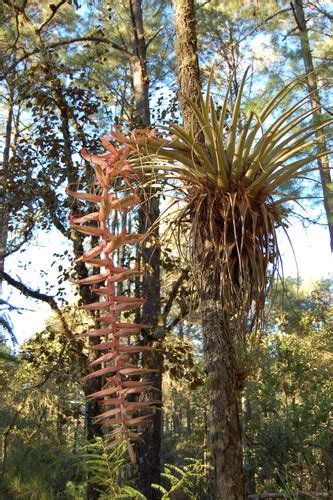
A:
139, 66
323, 163
4, 170
187, 57
224, 395
224, 422
149, 450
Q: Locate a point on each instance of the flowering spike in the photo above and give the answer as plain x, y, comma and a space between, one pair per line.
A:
121, 377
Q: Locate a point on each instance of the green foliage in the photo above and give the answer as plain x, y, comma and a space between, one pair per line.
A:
33, 489
37, 470
289, 405
185, 407
107, 469
188, 481
42, 422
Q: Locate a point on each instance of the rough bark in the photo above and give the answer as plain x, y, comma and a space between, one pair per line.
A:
224, 393
139, 66
224, 401
149, 451
187, 57
224, 423
323, 163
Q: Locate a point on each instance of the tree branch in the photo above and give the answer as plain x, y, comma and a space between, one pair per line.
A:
259, 25
29, 292
54, 10
59, 43
18, 10
175, 322
172, 295
68, 41
321, 10
154, 36
299, 26
50, 200
17, 246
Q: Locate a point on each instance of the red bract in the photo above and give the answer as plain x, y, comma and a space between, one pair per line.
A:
115, 358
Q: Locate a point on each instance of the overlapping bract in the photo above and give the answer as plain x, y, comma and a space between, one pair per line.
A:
122, 377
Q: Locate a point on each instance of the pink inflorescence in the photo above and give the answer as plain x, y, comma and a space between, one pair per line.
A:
115, 364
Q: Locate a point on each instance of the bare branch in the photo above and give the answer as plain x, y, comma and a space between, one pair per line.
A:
54, 10
172, 295
320, 9
29, 292
259, 25
202, 5
97, 39
154, 36
292, 32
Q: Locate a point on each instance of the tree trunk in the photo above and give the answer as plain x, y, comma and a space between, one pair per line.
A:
187, 57
139, 66
4, 170
323, 162
149, 450
224, 394
224, 401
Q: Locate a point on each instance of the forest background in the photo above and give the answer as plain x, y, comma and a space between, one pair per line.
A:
70, 72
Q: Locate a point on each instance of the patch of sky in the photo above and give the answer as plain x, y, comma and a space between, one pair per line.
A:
40, 267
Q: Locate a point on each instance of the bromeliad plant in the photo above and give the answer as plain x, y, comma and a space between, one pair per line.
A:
232, 176
122, 378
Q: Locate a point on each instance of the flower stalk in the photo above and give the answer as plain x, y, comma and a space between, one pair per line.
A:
121, 377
